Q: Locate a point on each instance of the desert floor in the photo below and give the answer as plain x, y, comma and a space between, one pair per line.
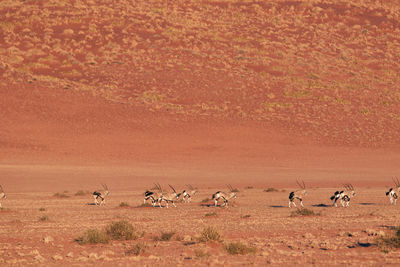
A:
334, 236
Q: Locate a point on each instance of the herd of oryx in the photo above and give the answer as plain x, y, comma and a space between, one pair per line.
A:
158, 196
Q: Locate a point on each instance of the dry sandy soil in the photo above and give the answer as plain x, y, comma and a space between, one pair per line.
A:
251, 93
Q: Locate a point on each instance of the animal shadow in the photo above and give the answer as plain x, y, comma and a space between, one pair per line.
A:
321, 205
367, 204
276, 206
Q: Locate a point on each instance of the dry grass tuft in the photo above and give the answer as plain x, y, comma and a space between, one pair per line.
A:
81, 193
42, 209
210, 234
60, 195
123, 230
124, 205
136, 250
211, 214
201, 253
236, 248
165, 236
93, 236
303, 212
44, 218
390, 242
271, 189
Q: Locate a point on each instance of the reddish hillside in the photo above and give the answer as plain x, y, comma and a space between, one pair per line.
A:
90, 79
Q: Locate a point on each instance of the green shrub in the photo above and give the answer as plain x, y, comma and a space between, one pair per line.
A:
93, 236
239, 248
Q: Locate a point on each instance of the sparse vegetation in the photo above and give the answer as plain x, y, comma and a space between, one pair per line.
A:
165, 236
201, 253
144, 205
124, 205
390, 242
303, 212
271, 189
60, 195
136, 250
44, 218
93, 236
42, 209
210, 234
248, 187
123, 230
211, 214
239, 248
81, 193
245, 216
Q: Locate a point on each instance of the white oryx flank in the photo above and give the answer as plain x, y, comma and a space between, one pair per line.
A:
393, 193
101, 194
187, 194
224, 196
298, 194
2, 195
168, 197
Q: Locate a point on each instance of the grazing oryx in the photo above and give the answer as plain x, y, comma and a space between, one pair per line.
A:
299, 194
168, 197
393, 193
153, 196
187, 194
224, 196
101, 195
2, 195
348, 193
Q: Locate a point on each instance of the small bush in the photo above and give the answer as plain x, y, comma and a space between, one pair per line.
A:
239, 248
44, 218
210, 234
165, 236
248, 187
122, 230
235, 190
60, 195
245, 216
136, 249
93, 236
303, 212
271, 189
211, 214
390, 242
201, 253
124, 205
42, 209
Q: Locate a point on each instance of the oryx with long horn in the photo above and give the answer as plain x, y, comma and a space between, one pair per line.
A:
169, 197
101, 194
393, 193
224, 196
347, 194
153, 196
298, 194
188, 194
